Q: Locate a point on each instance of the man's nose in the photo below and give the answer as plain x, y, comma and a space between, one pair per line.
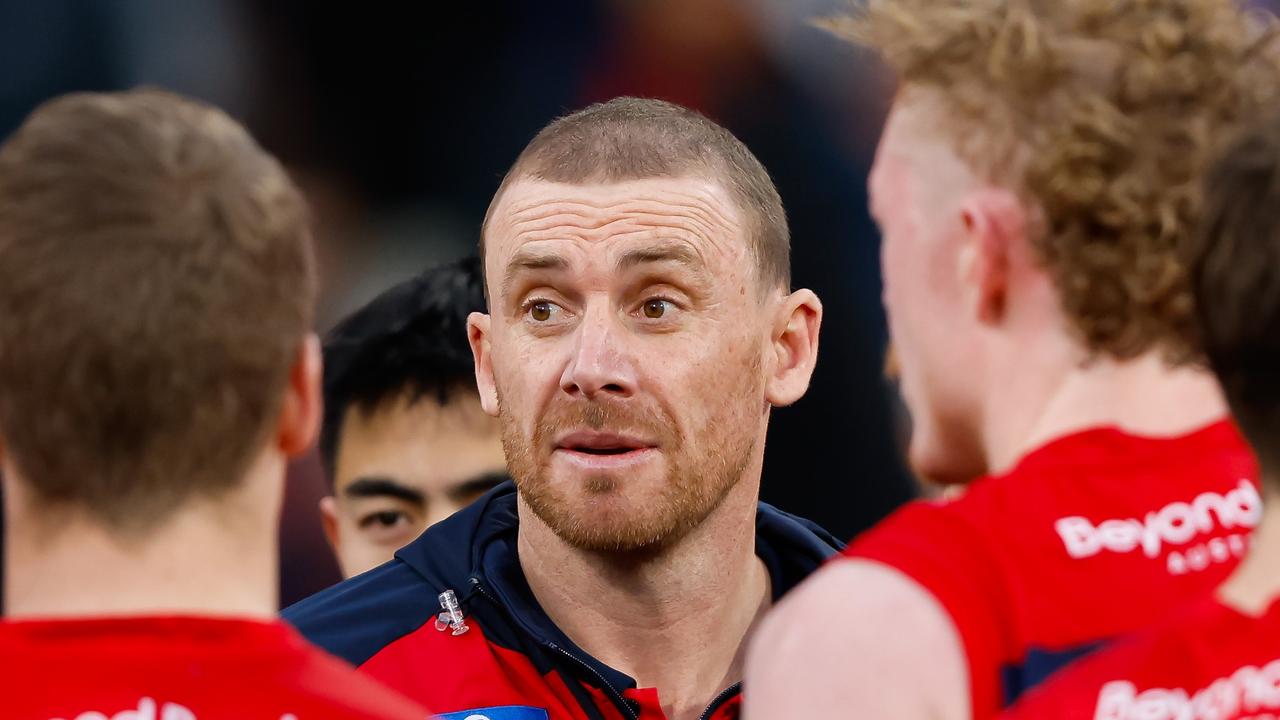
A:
600, 364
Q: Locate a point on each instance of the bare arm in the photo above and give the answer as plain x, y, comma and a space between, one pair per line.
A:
859, 640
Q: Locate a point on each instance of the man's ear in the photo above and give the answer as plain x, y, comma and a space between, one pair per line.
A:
795, 347
329, 520
993, 221
301, 411
478, 325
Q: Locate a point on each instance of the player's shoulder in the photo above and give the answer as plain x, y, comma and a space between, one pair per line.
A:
95, 662
865, 637
1093, 472
340, 691
356, 618
862, 603
861, 589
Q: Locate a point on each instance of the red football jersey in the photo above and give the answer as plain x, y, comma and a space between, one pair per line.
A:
1208, 662
1090, 537
180, 668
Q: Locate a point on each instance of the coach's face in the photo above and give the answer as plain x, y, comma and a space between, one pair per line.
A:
632, 354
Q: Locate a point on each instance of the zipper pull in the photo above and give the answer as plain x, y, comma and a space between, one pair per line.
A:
451, 617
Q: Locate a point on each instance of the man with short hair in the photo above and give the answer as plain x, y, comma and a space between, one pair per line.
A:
641, 328
1036, 176
1218, 657
405, 441
157, 372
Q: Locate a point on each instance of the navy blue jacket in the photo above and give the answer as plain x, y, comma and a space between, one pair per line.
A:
511, 663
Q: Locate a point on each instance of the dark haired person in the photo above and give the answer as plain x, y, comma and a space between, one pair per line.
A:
405, 441
641, 327
157, 371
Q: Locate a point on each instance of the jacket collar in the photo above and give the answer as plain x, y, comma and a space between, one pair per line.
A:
475, 551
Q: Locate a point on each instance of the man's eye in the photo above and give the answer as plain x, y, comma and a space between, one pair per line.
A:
387, 519
542, 310
655, 308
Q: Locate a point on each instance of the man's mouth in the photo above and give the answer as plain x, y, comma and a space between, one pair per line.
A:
590, 443
594, 442
601, 450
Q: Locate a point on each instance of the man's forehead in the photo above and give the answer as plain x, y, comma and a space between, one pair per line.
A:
916, 150
409, 416
528, 198
918, 125
689, 209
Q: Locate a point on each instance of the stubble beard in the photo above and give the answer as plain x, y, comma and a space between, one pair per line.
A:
695, 482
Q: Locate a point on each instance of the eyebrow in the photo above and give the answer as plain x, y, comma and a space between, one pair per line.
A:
367, 487
676, 253
526, 260
478, 483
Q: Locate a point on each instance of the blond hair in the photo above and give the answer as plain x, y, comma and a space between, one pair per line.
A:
1102, 114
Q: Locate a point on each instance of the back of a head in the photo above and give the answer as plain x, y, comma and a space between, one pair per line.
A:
410, 341
1101, 115
1234, 264
631, 138
156, 281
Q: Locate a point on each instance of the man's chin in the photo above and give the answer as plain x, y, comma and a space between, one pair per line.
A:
634, 537
942, 464
607, 520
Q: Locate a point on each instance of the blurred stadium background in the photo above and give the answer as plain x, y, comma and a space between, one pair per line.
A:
399, 119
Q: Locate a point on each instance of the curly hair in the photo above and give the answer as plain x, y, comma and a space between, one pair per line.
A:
1102, 115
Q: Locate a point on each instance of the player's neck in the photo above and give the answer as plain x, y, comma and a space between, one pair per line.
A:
1143, 396
1255, 584
678, 621
209, 559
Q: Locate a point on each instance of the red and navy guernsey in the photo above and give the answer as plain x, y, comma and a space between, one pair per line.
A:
1208, 661
512, 663
1087, 539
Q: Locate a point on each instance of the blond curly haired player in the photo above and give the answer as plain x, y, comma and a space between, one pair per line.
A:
1039, 170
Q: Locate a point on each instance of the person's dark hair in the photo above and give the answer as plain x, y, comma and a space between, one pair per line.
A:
631, 138
1234, 266
410, 341
157, 280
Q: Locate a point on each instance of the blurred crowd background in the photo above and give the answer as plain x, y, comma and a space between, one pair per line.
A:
399, 120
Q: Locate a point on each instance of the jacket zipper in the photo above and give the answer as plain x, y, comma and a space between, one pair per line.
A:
618, 701
724, 696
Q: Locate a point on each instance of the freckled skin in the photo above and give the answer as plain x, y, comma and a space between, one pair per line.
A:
571, 346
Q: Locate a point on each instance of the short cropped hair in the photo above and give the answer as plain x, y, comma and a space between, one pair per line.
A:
638, 139
1102, 115
409, 342
1234, 264
156, 282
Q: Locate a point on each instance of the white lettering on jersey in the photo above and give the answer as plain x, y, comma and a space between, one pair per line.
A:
1249, 692
1176, 524
147, 710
